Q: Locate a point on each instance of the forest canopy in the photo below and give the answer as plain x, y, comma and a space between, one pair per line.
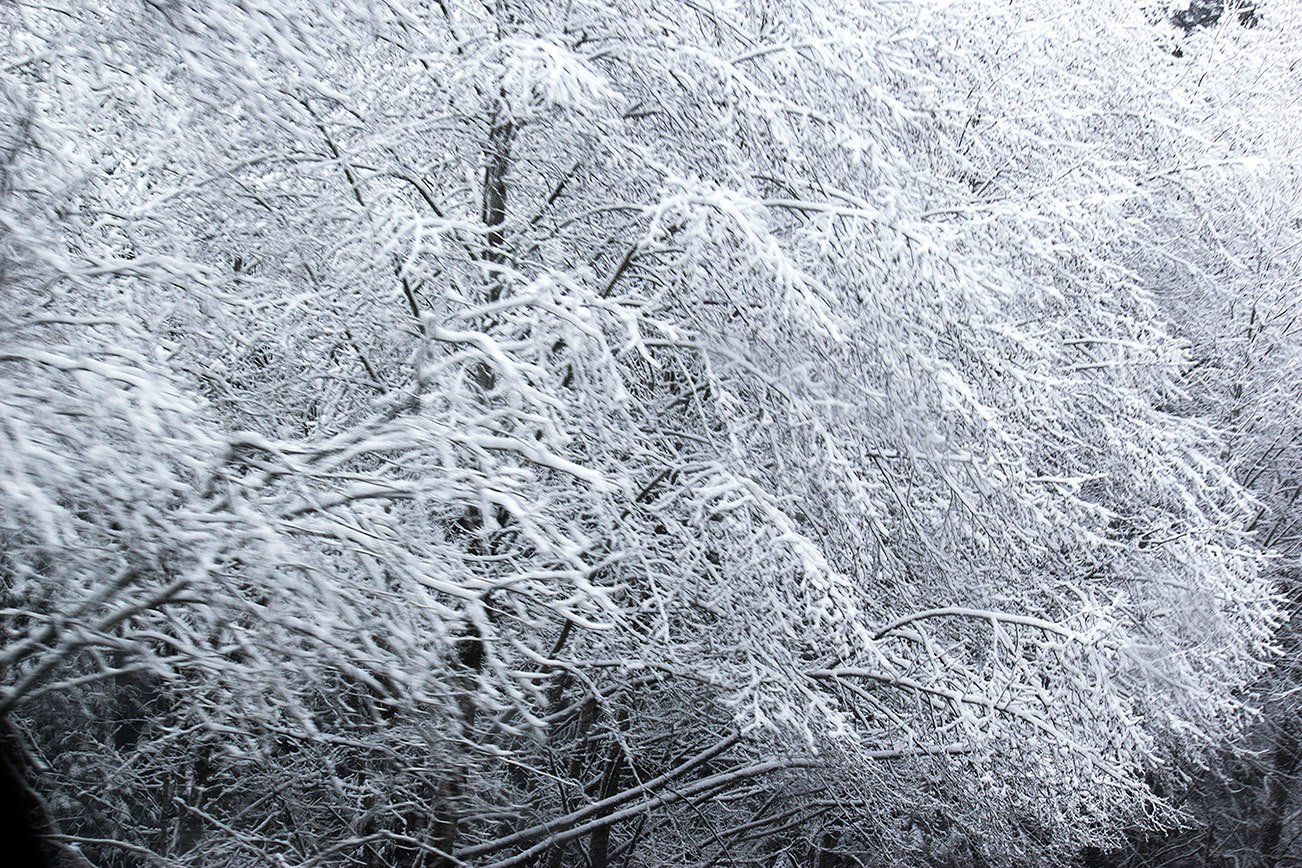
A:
615, 432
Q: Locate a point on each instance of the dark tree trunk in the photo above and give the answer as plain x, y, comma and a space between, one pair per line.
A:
1279, 786
25, 821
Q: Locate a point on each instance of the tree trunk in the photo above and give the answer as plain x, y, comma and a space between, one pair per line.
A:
1279, 785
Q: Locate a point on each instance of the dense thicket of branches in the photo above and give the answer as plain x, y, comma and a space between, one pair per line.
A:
608, 432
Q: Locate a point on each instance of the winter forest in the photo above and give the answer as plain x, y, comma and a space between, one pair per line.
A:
634, 433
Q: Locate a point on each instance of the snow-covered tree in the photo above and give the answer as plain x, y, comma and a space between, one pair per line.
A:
536, 432
1224, 264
